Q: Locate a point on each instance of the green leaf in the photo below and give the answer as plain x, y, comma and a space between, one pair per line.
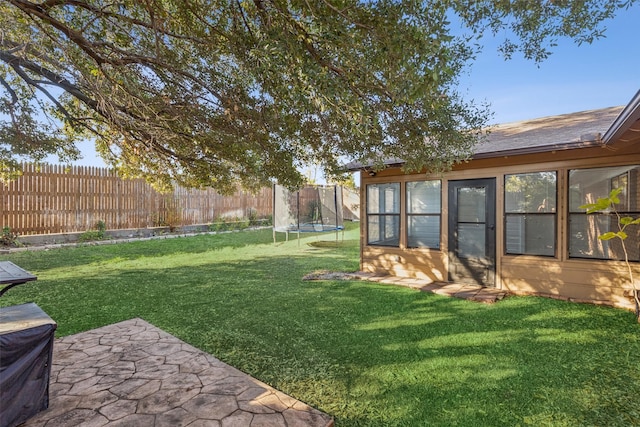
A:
607, 236
626, 220
614, 193
228, 91
602, 204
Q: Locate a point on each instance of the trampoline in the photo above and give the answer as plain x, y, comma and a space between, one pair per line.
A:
312, 209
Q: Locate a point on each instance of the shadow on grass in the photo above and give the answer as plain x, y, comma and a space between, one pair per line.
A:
370, 354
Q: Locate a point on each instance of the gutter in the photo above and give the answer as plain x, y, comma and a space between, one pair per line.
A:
629, 115
591, 140
586, 141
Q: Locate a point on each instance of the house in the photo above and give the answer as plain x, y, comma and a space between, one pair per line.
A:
510, 217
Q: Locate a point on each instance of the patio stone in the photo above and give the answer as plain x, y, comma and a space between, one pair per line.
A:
467, 292
268, 420
165, 400
99, 399
212, 406
457, 290
84, 417
134, 420
134, 374
136, 388
179, 417
119, 409
238, 419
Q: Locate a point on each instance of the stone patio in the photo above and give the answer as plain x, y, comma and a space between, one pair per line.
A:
134, 374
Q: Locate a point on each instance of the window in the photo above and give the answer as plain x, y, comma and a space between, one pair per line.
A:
530, 213
621, 182
383, 214
423, 214
586, 186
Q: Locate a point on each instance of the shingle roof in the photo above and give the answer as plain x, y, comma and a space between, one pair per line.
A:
548, 133
561, 132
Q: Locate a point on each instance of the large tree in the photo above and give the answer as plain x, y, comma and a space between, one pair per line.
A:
216, 92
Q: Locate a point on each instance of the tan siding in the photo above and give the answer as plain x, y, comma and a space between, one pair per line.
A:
582, 280
428, 264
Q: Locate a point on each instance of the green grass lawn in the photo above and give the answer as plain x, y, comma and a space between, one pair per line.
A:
368, 354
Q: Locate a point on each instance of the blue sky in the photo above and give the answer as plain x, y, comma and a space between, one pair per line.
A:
574, 78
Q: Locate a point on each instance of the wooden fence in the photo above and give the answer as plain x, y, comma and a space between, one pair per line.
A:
55, 199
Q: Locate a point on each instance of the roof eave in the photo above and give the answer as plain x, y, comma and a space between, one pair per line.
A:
596, 142
629, 115
357, 166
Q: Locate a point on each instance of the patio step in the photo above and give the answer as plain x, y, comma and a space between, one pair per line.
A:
455, 290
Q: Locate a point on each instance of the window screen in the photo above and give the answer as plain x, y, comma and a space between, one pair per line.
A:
530, 213
586, 186
383, 214
423, 214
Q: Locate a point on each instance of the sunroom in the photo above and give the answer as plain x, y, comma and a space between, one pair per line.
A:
511, 217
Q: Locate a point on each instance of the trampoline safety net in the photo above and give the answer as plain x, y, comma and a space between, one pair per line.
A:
314, 208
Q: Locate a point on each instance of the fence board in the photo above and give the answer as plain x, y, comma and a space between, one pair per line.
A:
54, 199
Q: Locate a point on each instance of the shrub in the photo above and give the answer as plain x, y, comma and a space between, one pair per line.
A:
253, 217
97, 234
241, 224
8, 237
219, 225
609, 203
224, 224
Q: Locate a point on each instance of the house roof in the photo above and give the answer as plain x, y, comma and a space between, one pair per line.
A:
561, 132
544, 134
626, 127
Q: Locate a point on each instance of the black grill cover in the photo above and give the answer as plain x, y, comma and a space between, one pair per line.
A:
26, 348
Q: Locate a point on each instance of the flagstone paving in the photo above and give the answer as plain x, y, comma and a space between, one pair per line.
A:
456, 290
134, 374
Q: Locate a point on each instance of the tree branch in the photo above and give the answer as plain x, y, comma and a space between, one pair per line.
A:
55, 79
120, 17
35, 10
14, 96
244, 19
345, 16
